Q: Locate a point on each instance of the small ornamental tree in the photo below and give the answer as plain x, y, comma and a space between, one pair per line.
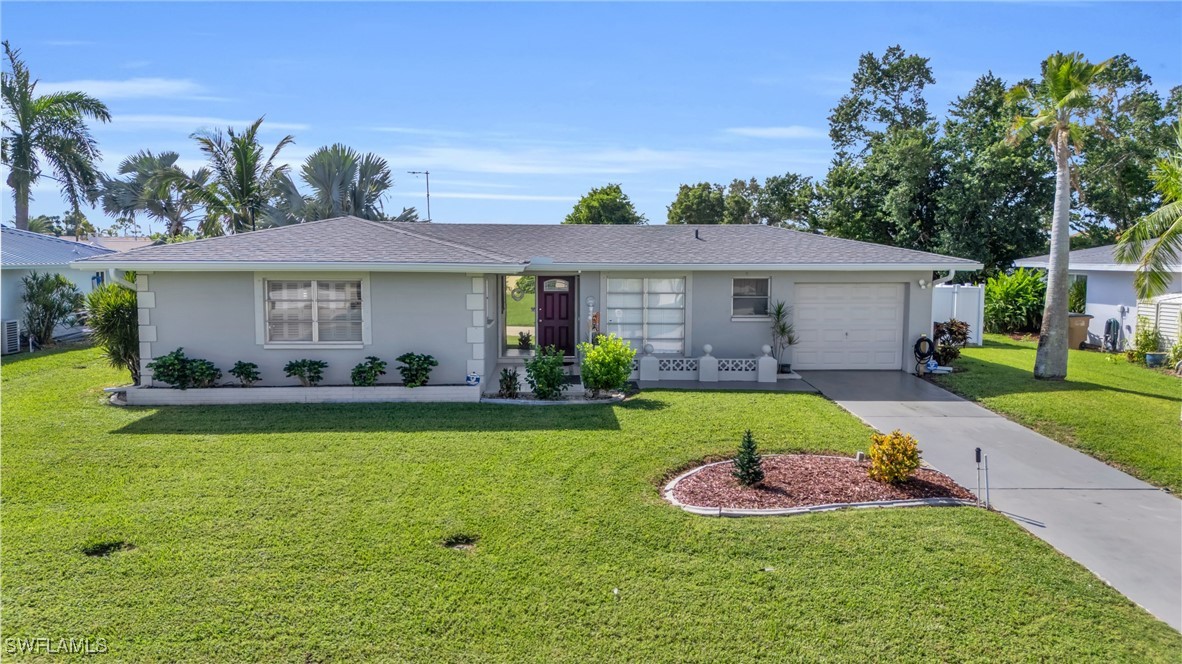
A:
308, 372
366, 373
748, 464
247, 373
113, 317
416, 369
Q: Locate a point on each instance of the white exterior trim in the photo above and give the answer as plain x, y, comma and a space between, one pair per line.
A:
243, 266
1098, 267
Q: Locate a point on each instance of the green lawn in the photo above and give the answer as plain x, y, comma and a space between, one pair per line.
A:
1122, 413
310, 533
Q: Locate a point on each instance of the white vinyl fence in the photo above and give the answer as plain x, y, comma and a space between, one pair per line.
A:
965, 303
1165, 315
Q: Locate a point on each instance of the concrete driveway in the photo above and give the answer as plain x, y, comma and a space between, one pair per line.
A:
1122, 529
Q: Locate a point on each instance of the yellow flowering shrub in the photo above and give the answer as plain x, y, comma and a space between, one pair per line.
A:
893, 456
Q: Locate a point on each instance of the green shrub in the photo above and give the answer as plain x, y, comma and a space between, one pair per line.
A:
1147, 339
1015, 302
893, 456
748, 464
1077, 296
606, 364
949, 336
1175, 354
416, 368
112, 313
509, 383
247, 373
366, 373
50, 300
183, 372
309, 372
544, 374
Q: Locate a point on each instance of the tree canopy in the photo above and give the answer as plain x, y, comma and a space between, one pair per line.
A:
605, 205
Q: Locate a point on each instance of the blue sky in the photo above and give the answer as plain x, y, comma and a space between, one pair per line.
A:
518, 109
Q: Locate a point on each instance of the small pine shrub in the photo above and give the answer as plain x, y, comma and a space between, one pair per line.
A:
893, 456
544, 374
606, 365
309, 372
247, 373
366, 373
1015, 302
509, 384
748, 464
416, 368
183, 372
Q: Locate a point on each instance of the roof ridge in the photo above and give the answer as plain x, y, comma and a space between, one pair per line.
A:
54, 238
447, 243
865, 242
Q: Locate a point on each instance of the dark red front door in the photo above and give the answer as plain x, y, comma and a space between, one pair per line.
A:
556, 313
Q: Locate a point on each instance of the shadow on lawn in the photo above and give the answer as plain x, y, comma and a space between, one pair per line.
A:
981, 380
363, 418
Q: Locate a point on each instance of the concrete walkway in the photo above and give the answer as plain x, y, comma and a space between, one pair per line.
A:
1124, 530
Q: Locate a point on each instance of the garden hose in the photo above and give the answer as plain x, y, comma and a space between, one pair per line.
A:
925, 348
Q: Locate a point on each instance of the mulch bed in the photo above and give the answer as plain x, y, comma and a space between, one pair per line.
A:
799, 480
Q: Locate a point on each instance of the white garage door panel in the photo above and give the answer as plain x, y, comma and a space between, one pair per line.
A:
848, 326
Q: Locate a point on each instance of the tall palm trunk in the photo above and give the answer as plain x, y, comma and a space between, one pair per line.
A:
20, 194
1050, 363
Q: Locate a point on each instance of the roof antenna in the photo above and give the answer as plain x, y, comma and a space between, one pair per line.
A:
428, 174
696, 236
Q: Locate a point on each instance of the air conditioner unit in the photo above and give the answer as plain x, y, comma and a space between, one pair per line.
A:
11, 343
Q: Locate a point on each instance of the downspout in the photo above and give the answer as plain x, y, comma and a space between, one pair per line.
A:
114, 275
945, 279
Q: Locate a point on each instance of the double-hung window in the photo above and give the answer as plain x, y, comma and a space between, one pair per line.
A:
749, 297
313, 311
647, 311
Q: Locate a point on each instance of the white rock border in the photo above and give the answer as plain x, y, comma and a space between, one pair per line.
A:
667, 494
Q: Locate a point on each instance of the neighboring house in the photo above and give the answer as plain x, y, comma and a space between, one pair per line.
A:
469, 294
1109, 287
22, 252
121, 243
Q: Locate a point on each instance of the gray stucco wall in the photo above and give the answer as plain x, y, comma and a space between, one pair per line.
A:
709, 318
212, 315
1108, 292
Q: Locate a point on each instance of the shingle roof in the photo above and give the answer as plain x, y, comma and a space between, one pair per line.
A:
27, 249
356, 241
1097, 257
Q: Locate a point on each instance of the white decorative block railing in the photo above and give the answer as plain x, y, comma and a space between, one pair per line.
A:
706, 369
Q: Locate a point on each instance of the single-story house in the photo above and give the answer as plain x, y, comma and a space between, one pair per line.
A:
476, 296
22, 252
1108, 285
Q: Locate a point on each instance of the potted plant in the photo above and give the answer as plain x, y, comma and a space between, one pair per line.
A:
783, 334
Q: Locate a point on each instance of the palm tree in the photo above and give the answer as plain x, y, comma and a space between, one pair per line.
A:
343, 182
155, 186
242, 183
1161, 229
1062, 100
46, 128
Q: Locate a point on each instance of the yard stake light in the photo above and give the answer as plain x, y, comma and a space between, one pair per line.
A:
978, 453
986, 481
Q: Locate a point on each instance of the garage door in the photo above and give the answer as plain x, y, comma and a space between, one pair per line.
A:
848, 326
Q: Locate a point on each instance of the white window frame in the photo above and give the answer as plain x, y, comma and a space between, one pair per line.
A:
644, 308
260, 307
745, 317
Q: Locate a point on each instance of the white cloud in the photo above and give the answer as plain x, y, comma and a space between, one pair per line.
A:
480, 196
585, 160
131, 88
419, 131
193, 123
790, 131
